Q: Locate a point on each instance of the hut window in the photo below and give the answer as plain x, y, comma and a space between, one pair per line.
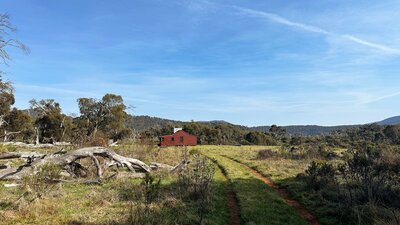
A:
172, 139
181, 139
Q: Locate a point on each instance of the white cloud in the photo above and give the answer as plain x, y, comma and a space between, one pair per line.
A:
372, 45
369, 98
281, 20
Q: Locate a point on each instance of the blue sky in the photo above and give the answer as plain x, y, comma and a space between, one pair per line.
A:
246, 62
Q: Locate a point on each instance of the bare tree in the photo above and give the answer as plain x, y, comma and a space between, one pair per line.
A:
6, 40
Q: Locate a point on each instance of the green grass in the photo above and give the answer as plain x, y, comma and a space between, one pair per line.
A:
282, 171
259, 204
220, 213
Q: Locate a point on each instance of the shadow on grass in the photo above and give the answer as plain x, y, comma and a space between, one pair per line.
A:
259, 204
326, 205
169, 208
6, 205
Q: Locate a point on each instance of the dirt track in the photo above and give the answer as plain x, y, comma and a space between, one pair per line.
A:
234, 211
303, 212
233, 206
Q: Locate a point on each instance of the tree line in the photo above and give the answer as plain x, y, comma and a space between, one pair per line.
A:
104, 119
44, 122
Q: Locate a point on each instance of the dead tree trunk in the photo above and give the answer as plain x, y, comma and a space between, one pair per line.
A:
68, 161
2, 120
37, 136
8, 134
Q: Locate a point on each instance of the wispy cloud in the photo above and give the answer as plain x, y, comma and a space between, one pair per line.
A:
281, 20
371, 44
386, 96
368, 99
42, 88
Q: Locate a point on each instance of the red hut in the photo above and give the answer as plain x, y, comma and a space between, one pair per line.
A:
179, 138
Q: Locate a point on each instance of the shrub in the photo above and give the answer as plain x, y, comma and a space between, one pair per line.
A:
140, 198
127, 191
147, 192
265, 154
308, 151
320, 174
195, 183
371, 174
151, 188
367, 182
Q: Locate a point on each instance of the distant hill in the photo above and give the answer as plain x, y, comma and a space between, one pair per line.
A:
390, 121
223, 122
142, 123
309, 130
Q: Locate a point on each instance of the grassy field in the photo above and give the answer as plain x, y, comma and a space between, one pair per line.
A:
281, 170
106, 204
116, 201
259, 204
121, 200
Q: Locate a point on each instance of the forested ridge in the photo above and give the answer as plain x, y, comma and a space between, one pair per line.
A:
101, 120
142, 123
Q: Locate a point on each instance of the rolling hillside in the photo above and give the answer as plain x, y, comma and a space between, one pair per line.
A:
310, 130
390, 121
142, 123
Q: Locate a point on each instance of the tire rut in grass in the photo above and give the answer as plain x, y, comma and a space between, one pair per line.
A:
234, 212
233, 206
303, 212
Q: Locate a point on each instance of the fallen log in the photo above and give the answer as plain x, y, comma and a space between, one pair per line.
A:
21, 155
182, 165
68, 161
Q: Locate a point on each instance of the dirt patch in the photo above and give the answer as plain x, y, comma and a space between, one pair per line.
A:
234, 211
283, 194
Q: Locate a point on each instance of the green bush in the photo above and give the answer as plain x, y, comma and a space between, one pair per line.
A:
42, 182
320, 174
195, 183
372, 173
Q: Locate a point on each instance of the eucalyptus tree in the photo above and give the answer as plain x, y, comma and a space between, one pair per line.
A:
50, 122
18, 126
106, 115
6, 100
